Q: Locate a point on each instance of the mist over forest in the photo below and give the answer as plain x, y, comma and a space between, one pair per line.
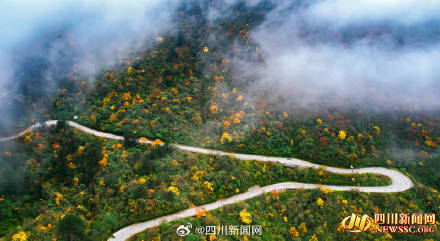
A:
315, 52
339, 83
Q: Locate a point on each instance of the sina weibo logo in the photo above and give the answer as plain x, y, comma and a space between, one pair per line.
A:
356, 223
183, 230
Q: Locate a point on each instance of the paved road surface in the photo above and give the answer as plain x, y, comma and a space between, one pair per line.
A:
400, 182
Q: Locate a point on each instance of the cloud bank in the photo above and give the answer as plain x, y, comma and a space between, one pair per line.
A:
368, 52
381, 53
43, 40
343, 12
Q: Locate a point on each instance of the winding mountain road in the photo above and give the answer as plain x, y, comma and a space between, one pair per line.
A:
400, 182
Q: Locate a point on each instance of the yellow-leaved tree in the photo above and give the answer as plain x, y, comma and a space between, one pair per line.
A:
225, 136
342, 134
20, 236
245, 217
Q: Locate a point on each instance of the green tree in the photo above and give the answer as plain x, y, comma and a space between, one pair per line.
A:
71, 228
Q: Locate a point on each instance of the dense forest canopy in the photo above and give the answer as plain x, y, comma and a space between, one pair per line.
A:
264, 77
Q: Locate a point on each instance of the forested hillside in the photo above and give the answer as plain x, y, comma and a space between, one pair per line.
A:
188, 87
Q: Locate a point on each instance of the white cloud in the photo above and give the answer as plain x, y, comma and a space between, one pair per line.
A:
341, 12
309, 67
